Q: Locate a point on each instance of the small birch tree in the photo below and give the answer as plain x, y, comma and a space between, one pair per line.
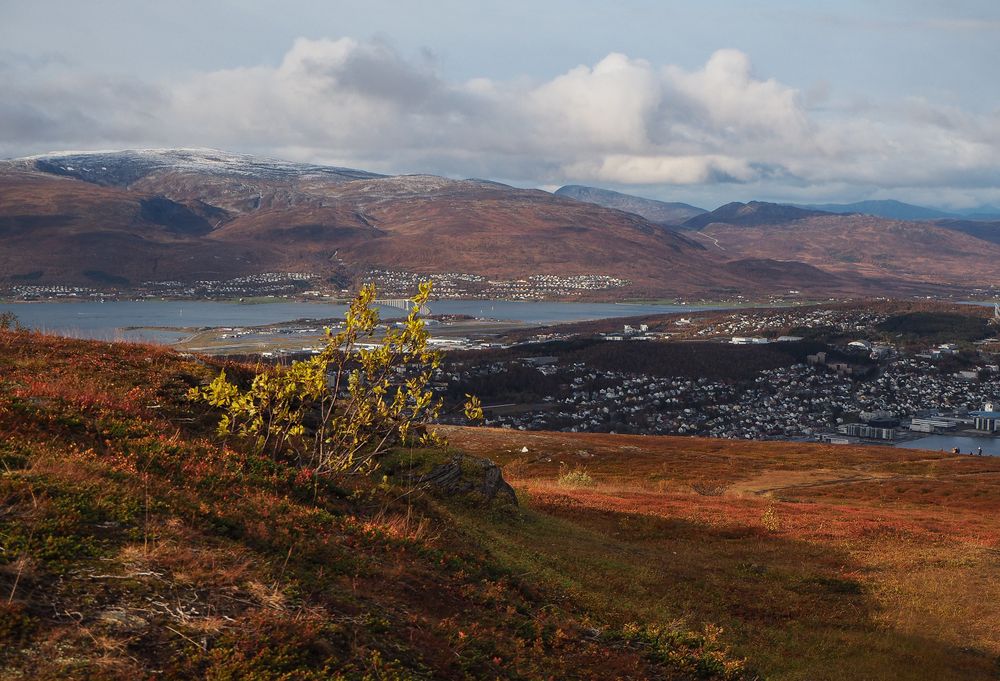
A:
338, 411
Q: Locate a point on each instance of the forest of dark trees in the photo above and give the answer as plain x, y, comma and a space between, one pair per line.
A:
936, 327
501, 376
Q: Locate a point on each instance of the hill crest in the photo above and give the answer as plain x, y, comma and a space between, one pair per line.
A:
661, 212
752, 213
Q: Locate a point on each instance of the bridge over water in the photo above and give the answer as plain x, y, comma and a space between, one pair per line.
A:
404, 304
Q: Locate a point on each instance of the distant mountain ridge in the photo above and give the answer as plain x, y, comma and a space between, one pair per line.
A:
186, 215
889, 208
151, 215
122, 168
660, 212
753, 213
898, 210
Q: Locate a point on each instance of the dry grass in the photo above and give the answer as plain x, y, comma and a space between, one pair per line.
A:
133, 544
820, 562
401, 526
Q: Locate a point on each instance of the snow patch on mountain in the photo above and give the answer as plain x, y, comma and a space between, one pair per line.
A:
120, 168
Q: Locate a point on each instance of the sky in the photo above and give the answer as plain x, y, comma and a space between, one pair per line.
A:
701, 101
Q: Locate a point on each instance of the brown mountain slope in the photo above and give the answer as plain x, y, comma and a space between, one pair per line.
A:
987, 230
787, 273
504, 232
61, 230
864, 246
427, 225
191, 222
123, 218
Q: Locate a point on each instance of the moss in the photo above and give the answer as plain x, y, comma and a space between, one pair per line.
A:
59, 522
13, 456
16, 625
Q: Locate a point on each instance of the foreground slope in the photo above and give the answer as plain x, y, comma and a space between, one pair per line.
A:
134, 544
820, 562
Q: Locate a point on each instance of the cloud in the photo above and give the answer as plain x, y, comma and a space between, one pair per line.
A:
735, 103
625, 169
619, 121
46, 103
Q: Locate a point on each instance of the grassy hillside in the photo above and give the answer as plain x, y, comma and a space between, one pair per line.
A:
819, 562
134, 544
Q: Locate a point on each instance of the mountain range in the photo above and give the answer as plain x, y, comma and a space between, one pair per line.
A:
897, 210
122, 218
660, 212
894, 210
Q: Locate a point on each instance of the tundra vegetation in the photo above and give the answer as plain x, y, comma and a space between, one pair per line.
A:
135, 541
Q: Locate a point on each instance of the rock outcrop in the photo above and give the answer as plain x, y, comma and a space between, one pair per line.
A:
469, 475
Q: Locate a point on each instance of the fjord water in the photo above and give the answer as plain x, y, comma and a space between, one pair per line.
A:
115, 319
967, 444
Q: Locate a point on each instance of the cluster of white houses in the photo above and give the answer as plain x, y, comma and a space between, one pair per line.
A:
467, 285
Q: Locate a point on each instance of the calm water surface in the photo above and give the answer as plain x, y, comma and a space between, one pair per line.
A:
990, 445
107, 321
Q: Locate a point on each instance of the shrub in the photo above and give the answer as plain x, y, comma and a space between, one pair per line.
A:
15, 623
338, 411
699, 654
9, 321
769, 518
576, 477
707, 490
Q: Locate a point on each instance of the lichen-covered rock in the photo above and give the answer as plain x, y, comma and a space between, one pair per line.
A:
463, 475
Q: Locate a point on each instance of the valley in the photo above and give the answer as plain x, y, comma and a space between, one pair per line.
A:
500, 341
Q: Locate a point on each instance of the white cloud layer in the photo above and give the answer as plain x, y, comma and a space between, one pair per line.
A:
621, 121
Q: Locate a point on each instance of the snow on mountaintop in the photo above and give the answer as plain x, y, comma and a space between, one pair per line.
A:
402, 185
121, 168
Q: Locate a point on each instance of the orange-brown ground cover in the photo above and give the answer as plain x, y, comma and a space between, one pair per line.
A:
819, 561
134, 544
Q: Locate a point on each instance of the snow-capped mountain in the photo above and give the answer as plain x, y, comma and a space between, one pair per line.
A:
122, 168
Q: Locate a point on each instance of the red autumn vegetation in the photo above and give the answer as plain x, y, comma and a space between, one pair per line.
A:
819, 561
136, 544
